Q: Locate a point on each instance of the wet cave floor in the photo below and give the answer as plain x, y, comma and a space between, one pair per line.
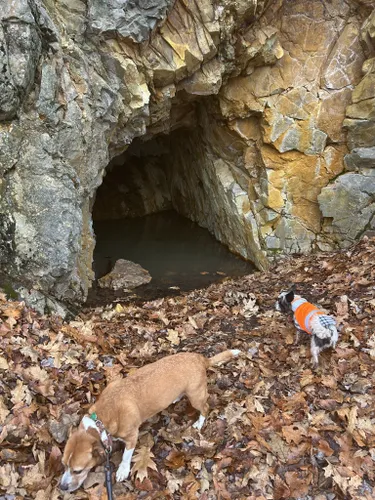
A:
178, 253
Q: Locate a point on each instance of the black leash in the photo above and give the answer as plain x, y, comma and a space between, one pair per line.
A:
108, 475
106, 440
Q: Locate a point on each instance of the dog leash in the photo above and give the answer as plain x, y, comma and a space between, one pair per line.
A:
108, 475
106, 440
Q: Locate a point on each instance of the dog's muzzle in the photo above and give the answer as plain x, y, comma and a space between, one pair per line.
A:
71, 483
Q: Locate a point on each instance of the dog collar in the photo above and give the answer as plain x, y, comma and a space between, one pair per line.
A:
105, 437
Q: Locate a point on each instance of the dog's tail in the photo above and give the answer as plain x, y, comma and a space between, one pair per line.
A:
223, 357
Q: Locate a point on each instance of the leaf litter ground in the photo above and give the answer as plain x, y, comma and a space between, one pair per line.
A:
276, 429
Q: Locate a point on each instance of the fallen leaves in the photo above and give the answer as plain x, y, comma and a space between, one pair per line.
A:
3, 363
173, 337
142, 460
276, 428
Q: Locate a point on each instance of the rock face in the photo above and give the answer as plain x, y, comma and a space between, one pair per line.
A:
125, 275
261, 113
349, 203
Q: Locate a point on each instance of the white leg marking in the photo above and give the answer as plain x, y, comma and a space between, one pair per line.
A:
124, 467
335, 337
177, 399
199, 423
235, 352
315, 350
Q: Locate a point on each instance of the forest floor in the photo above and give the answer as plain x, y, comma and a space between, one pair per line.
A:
277, 429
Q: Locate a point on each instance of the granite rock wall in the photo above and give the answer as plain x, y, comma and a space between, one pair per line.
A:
267, 108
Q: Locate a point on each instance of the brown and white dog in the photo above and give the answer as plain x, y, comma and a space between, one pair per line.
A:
310, 319
125, 404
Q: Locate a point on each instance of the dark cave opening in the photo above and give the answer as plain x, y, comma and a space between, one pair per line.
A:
137, 217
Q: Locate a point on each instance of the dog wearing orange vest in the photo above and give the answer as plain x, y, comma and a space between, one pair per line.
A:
310, 319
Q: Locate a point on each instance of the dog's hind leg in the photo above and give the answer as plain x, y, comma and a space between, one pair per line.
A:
334, 336
315, 350
198, 399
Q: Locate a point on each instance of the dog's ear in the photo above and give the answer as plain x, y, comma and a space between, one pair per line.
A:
289, 297
98, 452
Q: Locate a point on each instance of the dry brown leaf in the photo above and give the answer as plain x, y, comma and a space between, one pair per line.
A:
173, 482
9, 478
3, 363
342, 309
298, 484
346, 479
42, 380
175, 459
173, 337
278, 447
193, 322
33, 478
21, 393
325, 447
204, 480
294, 433
12, 311
54, 461
307, 378
281, 490
97, 493
234, 412
4, 412
143, 461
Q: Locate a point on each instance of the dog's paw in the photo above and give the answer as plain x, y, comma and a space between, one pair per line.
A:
122, 473
235, 352
199, 423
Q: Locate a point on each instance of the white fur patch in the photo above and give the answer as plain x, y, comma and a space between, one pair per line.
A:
123, 470
235, 352
199, 423
88, 423
67, 477
315, 352
318, 329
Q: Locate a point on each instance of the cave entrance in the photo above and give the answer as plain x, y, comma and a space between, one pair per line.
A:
143, 213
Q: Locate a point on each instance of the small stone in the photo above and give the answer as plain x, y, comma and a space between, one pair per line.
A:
125, 274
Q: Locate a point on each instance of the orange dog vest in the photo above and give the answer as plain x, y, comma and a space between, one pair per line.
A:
303, 313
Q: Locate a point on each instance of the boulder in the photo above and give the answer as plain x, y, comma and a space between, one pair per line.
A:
362, 159
350, 203
125, 275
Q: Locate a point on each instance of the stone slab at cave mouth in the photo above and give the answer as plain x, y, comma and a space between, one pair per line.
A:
143, 212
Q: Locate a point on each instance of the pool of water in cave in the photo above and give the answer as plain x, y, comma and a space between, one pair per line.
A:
176, 252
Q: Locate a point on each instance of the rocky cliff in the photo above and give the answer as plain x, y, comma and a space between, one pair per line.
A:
256, 117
